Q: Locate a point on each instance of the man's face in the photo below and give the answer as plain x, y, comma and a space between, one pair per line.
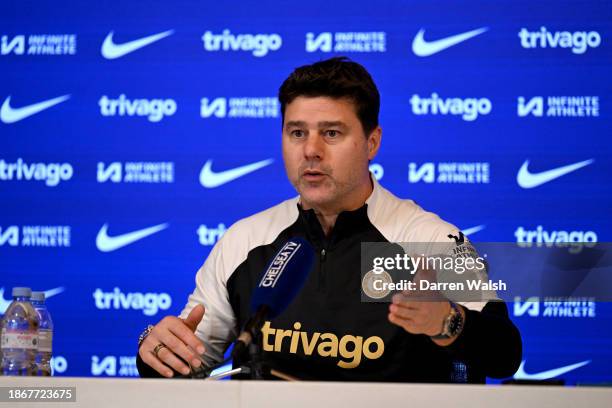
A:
326, 153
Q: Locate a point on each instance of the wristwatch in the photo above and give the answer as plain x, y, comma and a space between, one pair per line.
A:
144, 334
452, 324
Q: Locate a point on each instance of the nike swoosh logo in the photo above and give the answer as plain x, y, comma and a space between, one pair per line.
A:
110, 50
473, 230
423, 48
545, 375
108, 244
4, 304
210, 179
526, 179
12, 115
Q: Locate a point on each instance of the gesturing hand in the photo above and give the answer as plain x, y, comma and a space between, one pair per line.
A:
170, 339
420, 311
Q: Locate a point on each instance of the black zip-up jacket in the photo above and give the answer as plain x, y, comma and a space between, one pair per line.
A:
328, 333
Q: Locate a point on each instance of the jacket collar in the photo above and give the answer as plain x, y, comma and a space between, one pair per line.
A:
348, 222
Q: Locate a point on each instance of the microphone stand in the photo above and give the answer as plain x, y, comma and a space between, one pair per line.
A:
256, 366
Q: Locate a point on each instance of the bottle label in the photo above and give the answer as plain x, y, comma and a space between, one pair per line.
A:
45, 338
19, 340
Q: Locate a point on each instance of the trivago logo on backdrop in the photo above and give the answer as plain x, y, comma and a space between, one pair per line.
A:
539, 235
259, 45
578, 41
49, 173
469, 109
148, 303
153, 109
209, 236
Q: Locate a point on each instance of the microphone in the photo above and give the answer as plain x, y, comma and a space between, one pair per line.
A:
280, 283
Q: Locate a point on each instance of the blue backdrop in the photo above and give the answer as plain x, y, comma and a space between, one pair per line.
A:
117, 118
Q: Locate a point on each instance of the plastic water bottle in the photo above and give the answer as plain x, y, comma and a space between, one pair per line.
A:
45, 335
19, 335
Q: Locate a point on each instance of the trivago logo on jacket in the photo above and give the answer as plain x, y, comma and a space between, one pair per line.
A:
348, 349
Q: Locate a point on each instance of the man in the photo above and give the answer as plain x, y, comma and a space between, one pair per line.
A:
330, 133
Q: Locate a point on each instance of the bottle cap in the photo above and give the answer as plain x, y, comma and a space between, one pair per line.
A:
38, 296
21, 291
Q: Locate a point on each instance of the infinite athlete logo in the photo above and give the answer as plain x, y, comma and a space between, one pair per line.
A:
108, 366
28, 236
554, 307
240, 107
39, 44
449, 173
374, 41
582, 106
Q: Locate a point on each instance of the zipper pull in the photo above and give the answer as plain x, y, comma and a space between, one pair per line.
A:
322, 254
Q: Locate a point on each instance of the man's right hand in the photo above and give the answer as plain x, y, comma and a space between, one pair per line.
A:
180, 341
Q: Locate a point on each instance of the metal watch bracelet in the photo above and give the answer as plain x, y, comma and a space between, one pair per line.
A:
144, 334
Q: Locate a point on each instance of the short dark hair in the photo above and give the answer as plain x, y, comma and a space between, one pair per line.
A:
337, 78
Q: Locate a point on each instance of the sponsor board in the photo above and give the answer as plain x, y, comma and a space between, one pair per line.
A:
38, 44
364, 42
449, 172
240, 107
578, 42
149, 303
153, 109
259, 45
558, 106
136, 172
468, 109
42, 236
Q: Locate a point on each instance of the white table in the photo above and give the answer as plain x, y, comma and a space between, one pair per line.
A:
150, 393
